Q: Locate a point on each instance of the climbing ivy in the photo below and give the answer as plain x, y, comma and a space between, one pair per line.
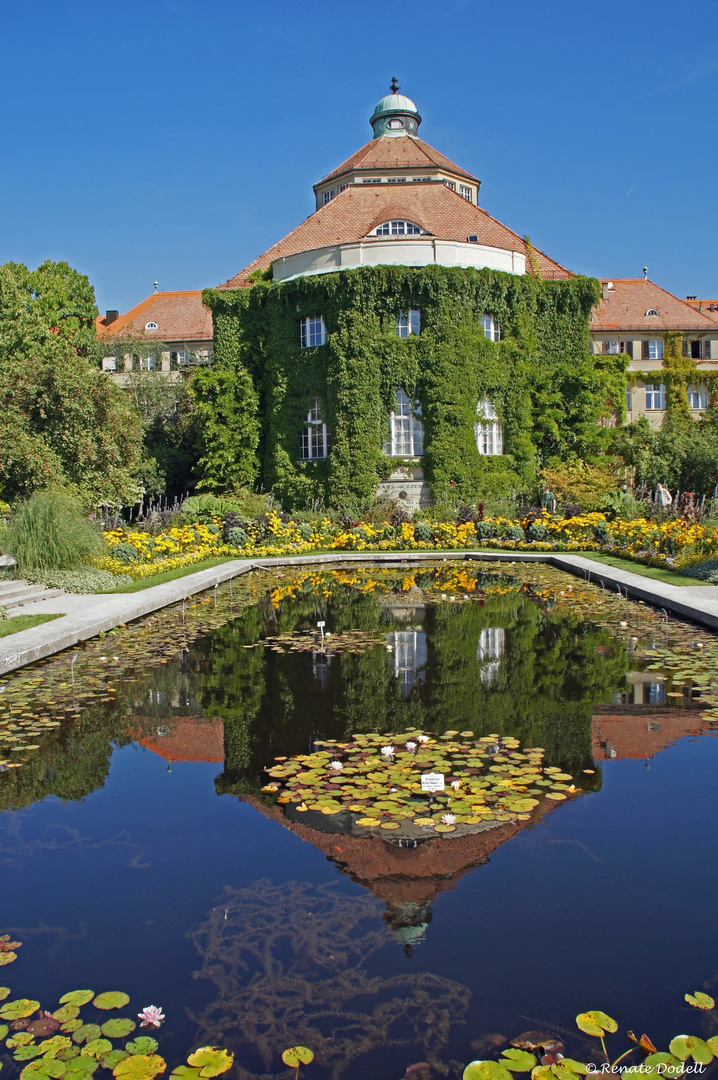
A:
548, 391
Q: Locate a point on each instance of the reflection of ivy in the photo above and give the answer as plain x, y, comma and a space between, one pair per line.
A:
291, 965
548, 391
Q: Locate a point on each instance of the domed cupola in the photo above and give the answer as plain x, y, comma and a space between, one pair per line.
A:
395, 114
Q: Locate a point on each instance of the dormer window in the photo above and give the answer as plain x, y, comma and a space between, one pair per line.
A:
151, 326
328, 196
652, 312
466, 192
398, 228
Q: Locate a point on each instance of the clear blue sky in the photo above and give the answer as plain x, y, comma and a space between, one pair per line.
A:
175, 140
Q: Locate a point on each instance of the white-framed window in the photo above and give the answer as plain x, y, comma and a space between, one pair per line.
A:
315, 437
343, 187
652, 313
653, 349
312, 331
491, 327
698, 349
655, 395
398, 228
151, 326
487, 430
408, 322
466, 193
406, 431
614, 347
109, 363
328, 196
697, 397
629, 399
426, 180
396, 180
450, 184
147, 363
372, 180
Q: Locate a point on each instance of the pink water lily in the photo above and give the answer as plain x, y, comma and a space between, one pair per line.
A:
151, 1016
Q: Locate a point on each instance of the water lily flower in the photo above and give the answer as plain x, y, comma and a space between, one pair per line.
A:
411, 747
448, 819
456, 784
423, 738
336, 766
151, 1016
387, 751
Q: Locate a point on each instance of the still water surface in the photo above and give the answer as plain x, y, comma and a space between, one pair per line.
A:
137, 852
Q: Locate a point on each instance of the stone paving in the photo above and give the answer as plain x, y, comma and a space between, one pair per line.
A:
86, 616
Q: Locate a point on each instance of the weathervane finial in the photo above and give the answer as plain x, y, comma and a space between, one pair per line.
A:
394, 85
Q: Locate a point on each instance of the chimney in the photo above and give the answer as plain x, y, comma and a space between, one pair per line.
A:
110, 317
604, 290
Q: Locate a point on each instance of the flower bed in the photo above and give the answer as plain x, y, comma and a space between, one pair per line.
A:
672, 544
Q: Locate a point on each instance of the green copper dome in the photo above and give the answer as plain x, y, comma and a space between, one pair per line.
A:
395, 114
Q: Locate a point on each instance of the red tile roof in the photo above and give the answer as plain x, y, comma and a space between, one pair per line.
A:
180, 316
351, 215
626, 304
705, 306
392, 152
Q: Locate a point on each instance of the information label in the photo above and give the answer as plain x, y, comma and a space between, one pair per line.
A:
433, 781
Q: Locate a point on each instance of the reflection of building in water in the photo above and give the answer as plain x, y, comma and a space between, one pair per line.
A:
492, 642
409, 651
638, 724
320, 667
183, 738
644, 689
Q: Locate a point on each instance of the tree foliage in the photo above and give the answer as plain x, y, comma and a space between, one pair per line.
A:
65, 423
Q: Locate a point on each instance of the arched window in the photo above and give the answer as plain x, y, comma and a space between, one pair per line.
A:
652, 311
408, 322
398, 228
491, 327
406, 431
315, 437
487, 429
151, 326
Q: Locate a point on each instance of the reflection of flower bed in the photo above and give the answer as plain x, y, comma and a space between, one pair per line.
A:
353, 641
377, 780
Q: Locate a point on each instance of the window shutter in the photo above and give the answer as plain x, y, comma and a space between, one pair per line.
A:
644, 350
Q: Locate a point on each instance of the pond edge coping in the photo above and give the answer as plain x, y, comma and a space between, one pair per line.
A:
103, 612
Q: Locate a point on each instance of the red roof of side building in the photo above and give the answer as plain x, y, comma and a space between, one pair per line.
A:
354, 212
625, 307
709, 308
406, 152
180, 316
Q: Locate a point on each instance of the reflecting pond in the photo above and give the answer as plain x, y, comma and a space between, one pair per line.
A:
568, 868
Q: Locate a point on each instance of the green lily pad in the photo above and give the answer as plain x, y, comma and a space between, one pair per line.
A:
28, 1052
108, 1061
596, 1023
215, 1060
294, 1056
37, 1070
96, 1048
82, 1067
68, 1053
118, 1028
71, 1026
143, 1044
70, 1011
4, 992
77, 997
542, 1072
111, 999
518, 1060
85, 1032
576, 1067
685, 1046
3, 1030
20, 1038
699, 1000
486, 1070
18, 1009
185, 1072
140, 1067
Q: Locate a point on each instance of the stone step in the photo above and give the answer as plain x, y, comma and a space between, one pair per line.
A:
24, 593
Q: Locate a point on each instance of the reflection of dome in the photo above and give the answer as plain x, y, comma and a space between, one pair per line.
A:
409, 922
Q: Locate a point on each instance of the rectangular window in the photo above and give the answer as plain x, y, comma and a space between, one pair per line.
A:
147, 363
655, 396
315, 437
450, 184
697, 397
699, 350
406, 430
109, 363
343, 187
629, 398
487, 430
466, 192
421, 179
397, 180
653, 349
372, 180
328, 196
615, 348
312, 331
491, 328
408, 322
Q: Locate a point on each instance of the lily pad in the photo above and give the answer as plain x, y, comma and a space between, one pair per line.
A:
70, 1011
143, 1044
114, 1057
111, 999
4, 992
486, 1070
77, 997
596, 1023
82, 1067
87, 1031
140, 1067
43, 1027
20, 1038
699, 1000
294, 1056
18, 1009
96, 1048
518, 1060
118, 1028
685, 1046
185, 1072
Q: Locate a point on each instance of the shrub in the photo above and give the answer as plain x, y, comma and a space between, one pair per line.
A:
423, 533
485, 530
468, 513
600, 532
125, 552
537, 531
705, 571
49, 532
305, 531
85, 580
514, 532
236, 536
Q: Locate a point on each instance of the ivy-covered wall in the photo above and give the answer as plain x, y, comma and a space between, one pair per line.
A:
548, 391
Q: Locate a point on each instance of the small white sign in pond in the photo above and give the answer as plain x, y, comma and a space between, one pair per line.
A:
432, 781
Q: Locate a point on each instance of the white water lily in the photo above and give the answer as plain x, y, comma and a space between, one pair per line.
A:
423, 738
336, 766
448, 819
456, 784
411, 746
387, 751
